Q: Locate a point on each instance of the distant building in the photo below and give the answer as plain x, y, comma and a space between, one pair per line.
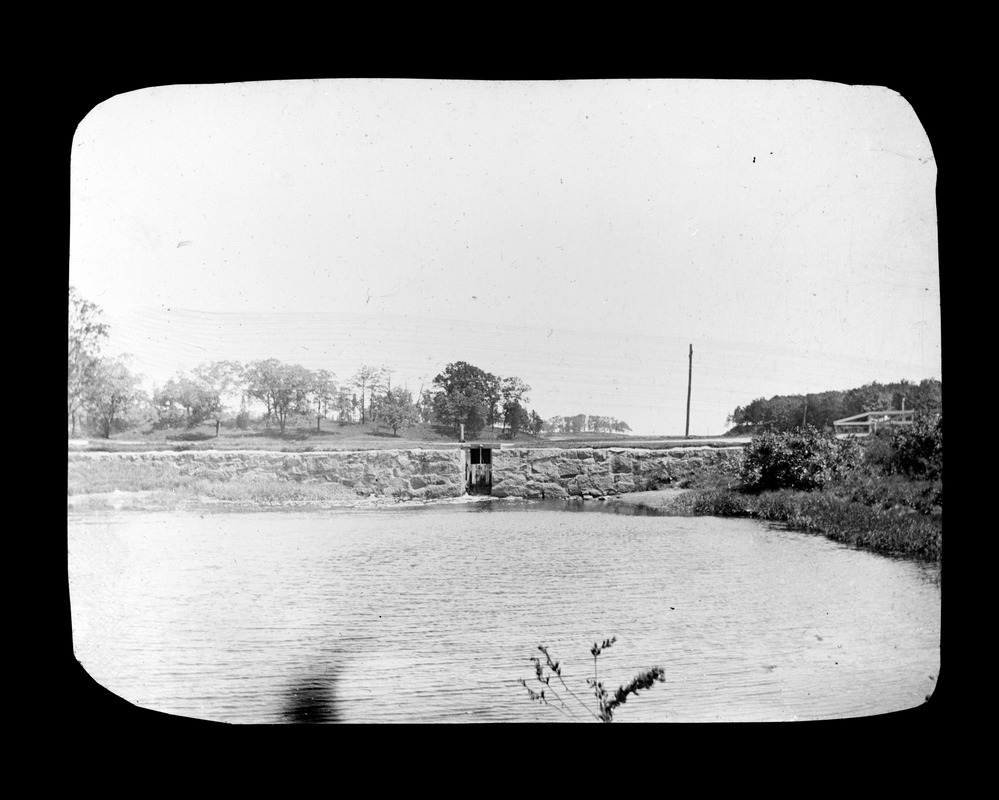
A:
871, 421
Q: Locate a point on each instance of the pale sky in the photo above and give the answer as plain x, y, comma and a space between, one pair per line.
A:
580, 235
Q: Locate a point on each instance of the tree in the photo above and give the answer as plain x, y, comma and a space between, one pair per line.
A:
322, 394
283, 388
516, 418
494, 396
514, 394
397, 410
217, 381
365, 377
344, 405
382, 381
86, 334
928, 397
462, 398
876, 397
554, 425
537, 423
112, 392
426, 405
180, 401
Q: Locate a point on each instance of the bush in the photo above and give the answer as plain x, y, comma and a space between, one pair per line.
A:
190, 436
918, 449
802, 459
915, 451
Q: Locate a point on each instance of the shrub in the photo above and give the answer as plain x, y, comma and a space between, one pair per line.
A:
802, 459
189, 436
717, 502
914, 451
918, 449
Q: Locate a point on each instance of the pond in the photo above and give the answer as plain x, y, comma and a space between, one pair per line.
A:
431, 614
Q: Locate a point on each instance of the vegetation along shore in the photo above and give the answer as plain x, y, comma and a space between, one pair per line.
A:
883, 492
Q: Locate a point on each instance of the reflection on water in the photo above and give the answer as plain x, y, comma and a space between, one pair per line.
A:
312, 700
574, 504
432, 614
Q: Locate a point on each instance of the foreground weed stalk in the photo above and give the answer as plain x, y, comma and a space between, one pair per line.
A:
606, 703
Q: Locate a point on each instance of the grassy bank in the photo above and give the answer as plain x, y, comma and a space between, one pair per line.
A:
301, 436
892, 528
883, 494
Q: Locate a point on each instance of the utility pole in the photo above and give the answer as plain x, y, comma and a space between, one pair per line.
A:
690, 378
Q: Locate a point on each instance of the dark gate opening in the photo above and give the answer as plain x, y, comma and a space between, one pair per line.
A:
479, 470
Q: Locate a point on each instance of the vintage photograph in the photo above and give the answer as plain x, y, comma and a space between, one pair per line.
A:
505, 401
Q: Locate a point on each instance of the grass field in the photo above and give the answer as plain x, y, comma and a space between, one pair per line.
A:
302, 436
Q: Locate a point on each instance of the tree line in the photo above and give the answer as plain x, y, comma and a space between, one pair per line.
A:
107, 394
585, 423
821, 410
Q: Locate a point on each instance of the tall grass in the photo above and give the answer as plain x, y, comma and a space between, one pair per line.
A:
888, 527
554, 695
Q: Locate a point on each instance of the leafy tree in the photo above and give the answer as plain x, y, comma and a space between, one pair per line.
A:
537, 423
515, 417
321, 394
494, 396
283, 388
513, 392
86, 334
365, 378
928, 397
217, 381
462, 398
397, 410
554, 424
917, 449
181, 401
425, 405
344, 405
112, 392
875, 397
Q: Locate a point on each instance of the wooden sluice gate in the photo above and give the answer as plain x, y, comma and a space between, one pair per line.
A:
478, 469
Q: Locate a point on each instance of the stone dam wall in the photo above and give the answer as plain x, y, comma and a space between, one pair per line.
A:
600, 472
410, 474
440, 473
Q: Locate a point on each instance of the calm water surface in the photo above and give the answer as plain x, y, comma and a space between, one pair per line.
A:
431, 615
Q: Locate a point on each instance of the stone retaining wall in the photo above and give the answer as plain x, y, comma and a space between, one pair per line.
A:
598, 472
429, 474
420, 474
